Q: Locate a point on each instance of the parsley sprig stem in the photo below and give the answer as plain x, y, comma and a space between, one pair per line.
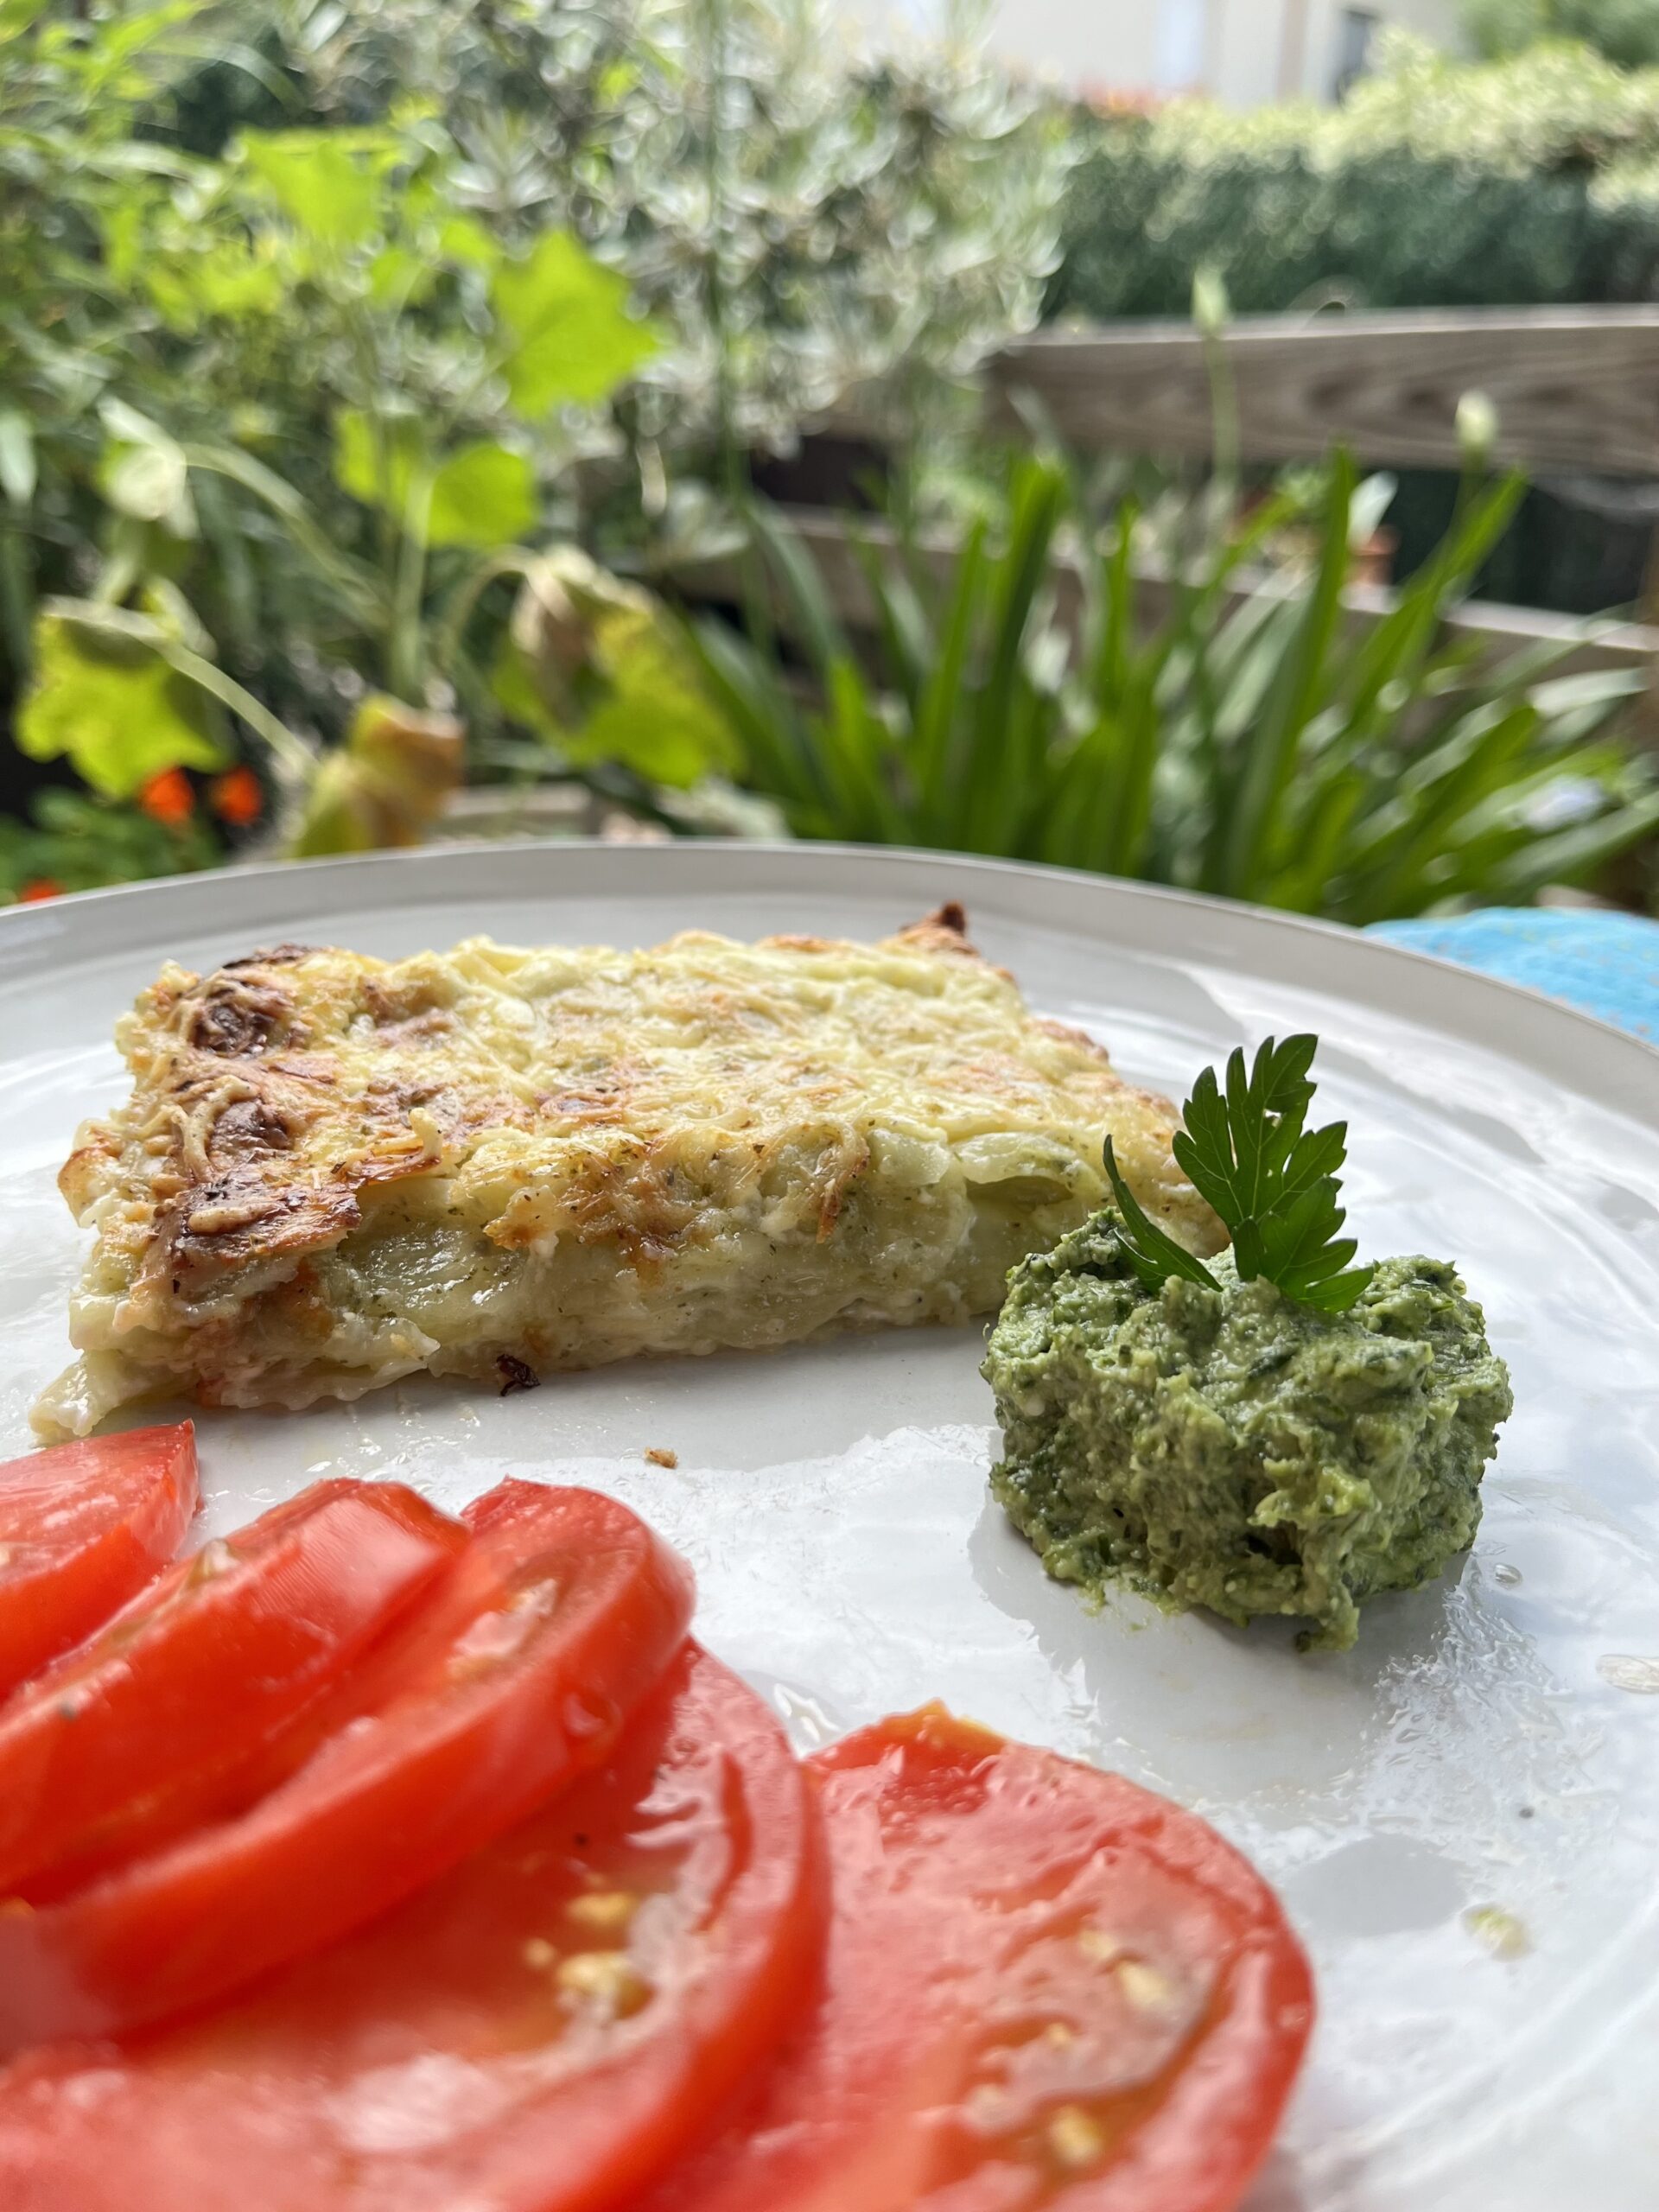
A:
1246, 1149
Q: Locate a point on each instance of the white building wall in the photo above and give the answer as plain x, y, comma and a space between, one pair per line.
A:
1241, 51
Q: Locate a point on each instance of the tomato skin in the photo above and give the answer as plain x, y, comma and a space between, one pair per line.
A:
1044, 1987
83, 1527
429, 2062
550, 1631
149, 1727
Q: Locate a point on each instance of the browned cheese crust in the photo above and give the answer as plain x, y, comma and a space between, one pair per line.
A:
334, 1170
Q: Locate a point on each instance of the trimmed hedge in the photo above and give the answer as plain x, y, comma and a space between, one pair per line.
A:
1438, 183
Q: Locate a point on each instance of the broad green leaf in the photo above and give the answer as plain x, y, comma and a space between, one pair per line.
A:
1244, 1148
512, 687
327, 182
123, 34
144, 472
399, 277
144, 481
17, 473
573, 340
464, 239
128, 424
230, 281
655, 716
17, 15
604, 671
114, 708
127, 224
386, 785
376, 458
483, 495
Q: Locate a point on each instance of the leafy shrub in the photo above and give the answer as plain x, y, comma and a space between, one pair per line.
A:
1437, 182
1625, 31
799, 220
311, 339
77, 843
438, 362
1247, 748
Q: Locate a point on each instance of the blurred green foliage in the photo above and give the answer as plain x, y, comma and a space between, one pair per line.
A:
597, 665
1626, 31
1250, 746
75, 842
316, 327
1437, 182
437, 360
802, 221
335, 342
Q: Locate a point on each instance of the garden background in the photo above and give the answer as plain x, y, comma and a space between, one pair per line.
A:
373, 378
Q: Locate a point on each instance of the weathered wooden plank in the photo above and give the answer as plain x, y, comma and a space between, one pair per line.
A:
1574, 387
830, 539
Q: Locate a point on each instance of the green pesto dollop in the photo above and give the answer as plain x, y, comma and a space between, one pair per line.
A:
1232, 1449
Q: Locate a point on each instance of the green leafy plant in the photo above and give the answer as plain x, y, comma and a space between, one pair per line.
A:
801, 218
1625, 31
1248, 1152
441, 217
443, 363
1439, 180
1246, 741
75, 841
598, 667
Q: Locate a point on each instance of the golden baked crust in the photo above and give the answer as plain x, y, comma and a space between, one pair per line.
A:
334, 1170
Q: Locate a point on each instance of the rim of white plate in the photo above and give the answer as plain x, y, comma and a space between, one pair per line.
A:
1585, 1056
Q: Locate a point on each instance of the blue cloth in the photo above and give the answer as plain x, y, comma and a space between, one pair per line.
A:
1603, 963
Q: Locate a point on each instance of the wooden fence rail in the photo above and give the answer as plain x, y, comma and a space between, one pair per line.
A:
832, 539
1574, 388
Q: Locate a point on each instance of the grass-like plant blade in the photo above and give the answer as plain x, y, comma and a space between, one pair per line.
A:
1572, 855
944, 701
856, 748
1039, 501
1398, 646
781, 759
817, 624
1271, 754
906, 636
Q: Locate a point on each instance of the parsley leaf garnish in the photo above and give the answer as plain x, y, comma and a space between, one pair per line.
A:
1153, 1255
1273, 1181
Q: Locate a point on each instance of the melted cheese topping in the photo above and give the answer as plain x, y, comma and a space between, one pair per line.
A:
334, 1170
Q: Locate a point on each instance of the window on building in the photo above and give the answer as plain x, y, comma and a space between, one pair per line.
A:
1179, 63
1355, 28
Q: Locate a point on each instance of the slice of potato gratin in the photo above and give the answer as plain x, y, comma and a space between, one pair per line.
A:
333, 1171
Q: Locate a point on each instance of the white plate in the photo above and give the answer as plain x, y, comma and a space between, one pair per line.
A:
1462, 1813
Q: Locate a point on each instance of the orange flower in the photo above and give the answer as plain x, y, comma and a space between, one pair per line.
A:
41, 887
168, 797
236, 797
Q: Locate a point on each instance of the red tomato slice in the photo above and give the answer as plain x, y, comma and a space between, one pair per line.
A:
539, 2033
560, 1618
1044, 1987
148, 1730
82, 1527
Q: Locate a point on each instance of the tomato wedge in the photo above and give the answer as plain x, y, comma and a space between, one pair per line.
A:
149, 1729
82, 1527
558, 1620
541, 2031
1044, 1987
